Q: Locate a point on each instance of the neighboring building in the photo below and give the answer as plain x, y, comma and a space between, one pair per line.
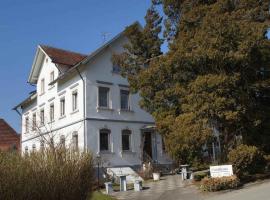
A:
9, 139
84, 102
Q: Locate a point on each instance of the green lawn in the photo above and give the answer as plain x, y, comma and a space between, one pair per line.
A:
100, 196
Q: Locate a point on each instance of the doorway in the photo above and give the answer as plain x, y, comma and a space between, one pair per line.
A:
147, 147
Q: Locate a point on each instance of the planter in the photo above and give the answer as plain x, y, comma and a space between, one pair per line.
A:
156, 176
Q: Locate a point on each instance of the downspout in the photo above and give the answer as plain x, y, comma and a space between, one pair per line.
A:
84, 108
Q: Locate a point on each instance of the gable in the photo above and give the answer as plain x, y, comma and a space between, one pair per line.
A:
62, 58
8, 135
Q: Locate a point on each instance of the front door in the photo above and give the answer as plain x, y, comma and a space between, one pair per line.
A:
147, 148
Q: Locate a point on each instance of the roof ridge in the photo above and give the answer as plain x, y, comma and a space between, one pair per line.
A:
61, 49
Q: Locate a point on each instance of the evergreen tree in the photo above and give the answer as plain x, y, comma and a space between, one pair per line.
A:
214, 76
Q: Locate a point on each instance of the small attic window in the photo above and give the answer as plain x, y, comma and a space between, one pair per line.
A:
116, 69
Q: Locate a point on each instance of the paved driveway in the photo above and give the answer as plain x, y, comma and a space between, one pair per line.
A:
153, 190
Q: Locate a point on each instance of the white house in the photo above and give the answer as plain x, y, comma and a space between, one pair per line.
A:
84, 102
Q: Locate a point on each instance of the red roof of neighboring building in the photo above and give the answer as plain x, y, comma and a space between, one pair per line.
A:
8, 136
63, 57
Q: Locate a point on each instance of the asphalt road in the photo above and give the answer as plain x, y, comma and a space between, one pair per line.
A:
256, 191
260, 191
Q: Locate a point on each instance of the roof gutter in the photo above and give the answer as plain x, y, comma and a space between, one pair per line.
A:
84, 109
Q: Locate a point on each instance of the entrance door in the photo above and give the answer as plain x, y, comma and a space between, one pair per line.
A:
147, 148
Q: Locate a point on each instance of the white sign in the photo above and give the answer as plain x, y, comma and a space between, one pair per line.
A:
221, 170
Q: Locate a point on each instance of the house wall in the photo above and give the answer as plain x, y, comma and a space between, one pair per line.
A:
95, 73
67, 125
98, 73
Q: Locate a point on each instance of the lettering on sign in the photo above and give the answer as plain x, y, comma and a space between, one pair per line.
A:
221, 171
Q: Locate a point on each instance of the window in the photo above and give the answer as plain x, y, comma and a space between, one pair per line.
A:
74, 101
42, 146
62, 107
26, 150
52, 76
116, 69
34, 119
52, 112
26, 124
75, 141
62, 141
126, 138
104, 140
103, 97
42, 86
42, 117
124, 98
33, 147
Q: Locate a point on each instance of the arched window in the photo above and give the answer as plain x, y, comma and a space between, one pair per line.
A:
33, 147
62, 141
104, 140
126, 140
75, 141
42, 146
26, 150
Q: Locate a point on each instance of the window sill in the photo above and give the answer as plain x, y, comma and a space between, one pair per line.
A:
50, 88
75, 111
62, 117
126, 111
129, 152
105, 108
105, 153
51, 122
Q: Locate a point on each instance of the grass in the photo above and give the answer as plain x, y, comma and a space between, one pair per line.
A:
99, 196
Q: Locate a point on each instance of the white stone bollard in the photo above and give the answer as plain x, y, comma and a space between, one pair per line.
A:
109, 188
137, 185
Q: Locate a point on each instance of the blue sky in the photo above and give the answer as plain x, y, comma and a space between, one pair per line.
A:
71, 24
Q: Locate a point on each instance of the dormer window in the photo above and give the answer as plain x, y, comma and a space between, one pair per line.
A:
42, 86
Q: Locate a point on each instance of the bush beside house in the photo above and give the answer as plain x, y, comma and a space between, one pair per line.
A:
246, 160
51, 175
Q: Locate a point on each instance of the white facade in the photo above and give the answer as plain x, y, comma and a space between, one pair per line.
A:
88, 120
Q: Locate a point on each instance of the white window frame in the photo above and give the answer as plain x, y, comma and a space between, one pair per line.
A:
26, 124
75, 100
34, 121
62, 107
129, 102
62, 141
75, 141
52, 76
108, 97
52, 112
108, 131
42, 86
42, 117
130, 139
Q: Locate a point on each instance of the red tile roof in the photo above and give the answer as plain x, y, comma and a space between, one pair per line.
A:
8, 136
63, 57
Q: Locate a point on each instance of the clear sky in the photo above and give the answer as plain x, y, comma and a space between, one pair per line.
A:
70, 24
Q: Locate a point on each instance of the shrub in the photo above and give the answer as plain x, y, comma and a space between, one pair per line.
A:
198, 176
267, 160
246, 160
217, 184
46, 176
